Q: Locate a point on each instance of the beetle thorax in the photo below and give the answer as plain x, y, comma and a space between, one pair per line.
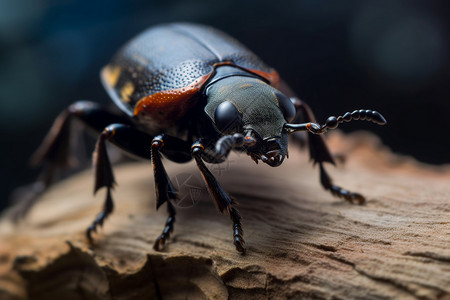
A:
254, 99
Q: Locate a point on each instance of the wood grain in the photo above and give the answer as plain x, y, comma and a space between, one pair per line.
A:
302, 243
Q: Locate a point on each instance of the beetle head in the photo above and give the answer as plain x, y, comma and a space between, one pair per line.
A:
252, 107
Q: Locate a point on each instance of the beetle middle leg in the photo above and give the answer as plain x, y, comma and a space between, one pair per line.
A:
176, 150
320, 154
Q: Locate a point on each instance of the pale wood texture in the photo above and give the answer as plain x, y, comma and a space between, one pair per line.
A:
301, 241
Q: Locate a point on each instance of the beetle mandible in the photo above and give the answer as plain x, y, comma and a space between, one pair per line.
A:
190, 91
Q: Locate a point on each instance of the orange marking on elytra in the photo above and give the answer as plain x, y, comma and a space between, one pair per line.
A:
170, 104
126, 91
111, 74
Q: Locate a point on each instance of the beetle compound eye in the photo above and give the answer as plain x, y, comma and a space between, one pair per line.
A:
227, 117
286, 106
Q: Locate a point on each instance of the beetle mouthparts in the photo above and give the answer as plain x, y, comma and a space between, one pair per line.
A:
272, 158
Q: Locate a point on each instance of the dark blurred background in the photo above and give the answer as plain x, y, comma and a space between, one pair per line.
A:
392, 56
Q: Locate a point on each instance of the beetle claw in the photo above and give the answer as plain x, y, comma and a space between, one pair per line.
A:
239, 243
359, 198
97, 222
347, 195
159, 243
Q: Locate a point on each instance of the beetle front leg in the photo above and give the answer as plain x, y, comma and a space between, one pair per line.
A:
223, 201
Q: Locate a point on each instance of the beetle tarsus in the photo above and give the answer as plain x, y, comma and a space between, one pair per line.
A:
101, 217
238, 232
168, 228
347, 195
337, 191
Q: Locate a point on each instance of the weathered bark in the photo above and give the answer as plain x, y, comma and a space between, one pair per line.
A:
301, 242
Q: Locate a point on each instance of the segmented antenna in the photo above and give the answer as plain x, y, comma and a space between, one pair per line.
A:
362, 114
333, 122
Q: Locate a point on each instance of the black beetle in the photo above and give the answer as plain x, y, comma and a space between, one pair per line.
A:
190, 91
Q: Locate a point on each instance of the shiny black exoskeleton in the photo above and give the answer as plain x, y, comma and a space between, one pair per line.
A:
190, 91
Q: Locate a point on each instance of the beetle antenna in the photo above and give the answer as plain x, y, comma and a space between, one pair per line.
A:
333, 122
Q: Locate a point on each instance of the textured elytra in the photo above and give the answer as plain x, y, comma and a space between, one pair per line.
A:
173, 56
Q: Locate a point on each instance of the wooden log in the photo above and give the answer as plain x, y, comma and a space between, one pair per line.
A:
301, 242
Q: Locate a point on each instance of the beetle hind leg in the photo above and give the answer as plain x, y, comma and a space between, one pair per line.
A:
55, 152
320, 154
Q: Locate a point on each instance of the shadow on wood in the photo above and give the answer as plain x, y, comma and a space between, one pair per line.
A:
301, 242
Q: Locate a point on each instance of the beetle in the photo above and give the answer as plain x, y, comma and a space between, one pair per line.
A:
189, 91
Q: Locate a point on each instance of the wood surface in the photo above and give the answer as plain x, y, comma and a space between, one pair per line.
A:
302, 243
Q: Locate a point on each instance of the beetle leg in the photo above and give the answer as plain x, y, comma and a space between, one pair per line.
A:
104, 177
128, 139
177, 150
55, 149
54, 152
223, 201
168, 228
337, 191
163, 186
320, 154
